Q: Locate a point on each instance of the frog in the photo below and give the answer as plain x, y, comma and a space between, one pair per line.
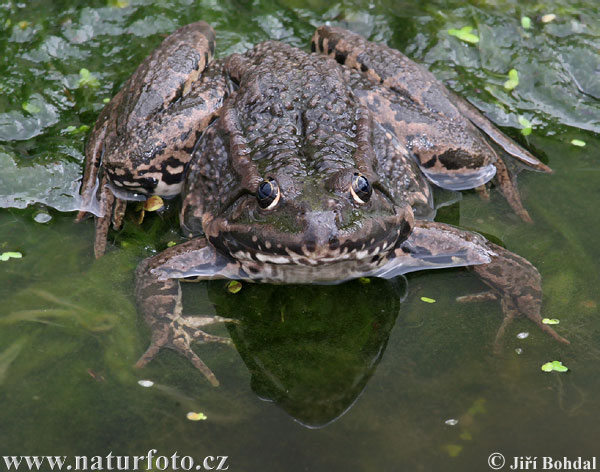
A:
298, 167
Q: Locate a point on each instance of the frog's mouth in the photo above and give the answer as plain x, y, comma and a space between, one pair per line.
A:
264, 244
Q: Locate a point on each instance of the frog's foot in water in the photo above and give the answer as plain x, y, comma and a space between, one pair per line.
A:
514, 281
158, 296
526, 302
179, 334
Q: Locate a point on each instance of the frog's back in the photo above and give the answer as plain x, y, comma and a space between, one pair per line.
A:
296, 109
298, 113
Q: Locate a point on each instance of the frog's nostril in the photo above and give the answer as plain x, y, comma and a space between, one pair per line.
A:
334, 243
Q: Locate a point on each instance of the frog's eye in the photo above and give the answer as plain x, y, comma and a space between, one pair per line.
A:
360, 189
268, 194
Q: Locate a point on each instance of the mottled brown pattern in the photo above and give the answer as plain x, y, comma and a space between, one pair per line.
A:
319, 128
148, 129
431, 121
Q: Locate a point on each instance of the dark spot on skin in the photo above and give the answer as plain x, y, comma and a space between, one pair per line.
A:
254, 270
334, 243
205, 58
430, 162
320, 43
311, 245
454, 159
364, 68
313, 47
340, 57
332, 44
402, 93
381, 80
375, 259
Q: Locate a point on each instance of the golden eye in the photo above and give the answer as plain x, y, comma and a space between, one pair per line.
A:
268, 194
360, 189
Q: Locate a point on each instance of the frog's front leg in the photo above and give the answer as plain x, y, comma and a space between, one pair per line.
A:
441, 129
158, 297
512, 279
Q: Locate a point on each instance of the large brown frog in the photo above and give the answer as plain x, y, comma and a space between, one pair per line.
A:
297, 168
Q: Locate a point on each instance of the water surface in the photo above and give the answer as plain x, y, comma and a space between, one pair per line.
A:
354, 377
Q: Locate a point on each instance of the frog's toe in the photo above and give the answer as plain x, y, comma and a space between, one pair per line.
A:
510, 191
182, 345
512, 311
478, 297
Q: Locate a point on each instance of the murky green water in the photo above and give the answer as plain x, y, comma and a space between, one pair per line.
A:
379, 367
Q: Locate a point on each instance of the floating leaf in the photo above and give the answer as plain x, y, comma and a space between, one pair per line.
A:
193, 416
364, 280
171, 244
550, 321
23, 24
578, 142
31, 108
154, 203
513, 79
10, 255
87, 79
106, 100
234, 286
74, 130
427, 300
118, 3
453, 450
526, 124
525, 22
548, 18
554, 366
464, 34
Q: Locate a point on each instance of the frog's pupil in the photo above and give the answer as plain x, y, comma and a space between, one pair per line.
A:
363, 185
265, 190
267, 193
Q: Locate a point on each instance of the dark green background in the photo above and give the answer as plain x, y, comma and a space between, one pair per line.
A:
69, 330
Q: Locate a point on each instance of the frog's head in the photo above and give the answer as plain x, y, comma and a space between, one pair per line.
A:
284, 213
311, 221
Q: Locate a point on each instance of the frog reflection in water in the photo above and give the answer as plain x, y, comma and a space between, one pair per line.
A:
311, 349
297, 167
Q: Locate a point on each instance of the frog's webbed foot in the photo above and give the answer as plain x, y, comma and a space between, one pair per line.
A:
512, 279
158, 296
511, 311
179, 334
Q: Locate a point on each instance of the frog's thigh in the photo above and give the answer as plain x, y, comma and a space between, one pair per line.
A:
449, 153
407, 98
169, 71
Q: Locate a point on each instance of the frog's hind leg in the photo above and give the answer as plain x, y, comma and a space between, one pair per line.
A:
512, 279
507, 144
441, 130
508, 188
